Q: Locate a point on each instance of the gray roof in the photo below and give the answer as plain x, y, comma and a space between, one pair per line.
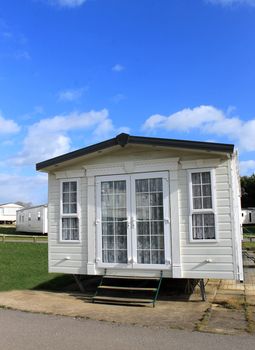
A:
124, 139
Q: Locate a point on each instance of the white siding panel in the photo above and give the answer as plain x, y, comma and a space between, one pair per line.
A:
68, 263
67, 269
221, 179
202, 258
67, 249
72, 256
223, 194
223, 210
222, 186
223, 202
209, 251
209, 274
222, 170
222, 218
221, 243
208, 266
224, 227
58, 251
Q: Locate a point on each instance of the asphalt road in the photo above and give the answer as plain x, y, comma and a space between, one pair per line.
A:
21, 330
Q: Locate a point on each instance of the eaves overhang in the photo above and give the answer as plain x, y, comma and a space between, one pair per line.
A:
124, 139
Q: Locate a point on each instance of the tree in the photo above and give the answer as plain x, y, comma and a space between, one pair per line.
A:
248, 191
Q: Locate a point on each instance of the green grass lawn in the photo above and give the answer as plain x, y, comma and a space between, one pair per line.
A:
249, 246
25, 266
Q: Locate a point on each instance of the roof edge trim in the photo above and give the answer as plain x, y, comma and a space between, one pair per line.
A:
123, 139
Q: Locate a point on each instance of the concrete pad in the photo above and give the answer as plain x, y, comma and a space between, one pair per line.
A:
166, 314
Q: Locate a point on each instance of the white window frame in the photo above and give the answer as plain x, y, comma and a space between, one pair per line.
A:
70, 215
202, 211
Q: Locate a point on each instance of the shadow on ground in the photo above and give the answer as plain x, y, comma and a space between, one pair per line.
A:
171, 289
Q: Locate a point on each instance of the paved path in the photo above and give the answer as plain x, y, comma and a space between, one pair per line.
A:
19, 330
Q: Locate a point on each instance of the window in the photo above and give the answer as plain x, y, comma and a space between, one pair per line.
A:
202, 211
69, 211
29, 216
39, 216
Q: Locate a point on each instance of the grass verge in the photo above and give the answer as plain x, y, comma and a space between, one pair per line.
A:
25, 266
249, 246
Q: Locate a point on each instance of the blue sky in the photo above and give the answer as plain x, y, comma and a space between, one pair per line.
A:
75, 72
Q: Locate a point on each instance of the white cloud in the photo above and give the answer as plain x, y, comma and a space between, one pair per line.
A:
50, 136
184, 120
232, 2
208, 120
70, 95
118, 68
15, 187
247, 167
68, 3
8, 126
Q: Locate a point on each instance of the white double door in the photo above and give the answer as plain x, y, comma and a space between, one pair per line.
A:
133, 225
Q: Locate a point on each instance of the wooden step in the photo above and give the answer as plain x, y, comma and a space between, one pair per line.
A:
127, 288
122, 300
132, 278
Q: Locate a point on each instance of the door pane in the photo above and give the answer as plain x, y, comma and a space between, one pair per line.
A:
150, 221
143, 228
143, 257
114, 221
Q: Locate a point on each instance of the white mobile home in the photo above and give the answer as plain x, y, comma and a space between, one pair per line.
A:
33, 219
248, 216
140, 206
8, 212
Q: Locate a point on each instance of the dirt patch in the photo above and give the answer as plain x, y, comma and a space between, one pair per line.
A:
227, 321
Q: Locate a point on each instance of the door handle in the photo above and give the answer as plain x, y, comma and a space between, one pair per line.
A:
127, 221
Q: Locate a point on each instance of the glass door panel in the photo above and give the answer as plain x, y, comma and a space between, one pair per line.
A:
114, 221
132, 220
149, 221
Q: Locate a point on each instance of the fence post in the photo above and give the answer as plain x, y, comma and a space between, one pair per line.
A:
34, 239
